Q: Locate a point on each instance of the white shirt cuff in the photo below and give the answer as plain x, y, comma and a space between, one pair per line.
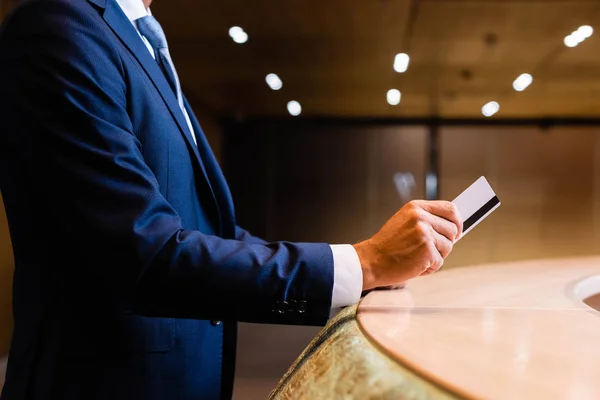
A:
347, 276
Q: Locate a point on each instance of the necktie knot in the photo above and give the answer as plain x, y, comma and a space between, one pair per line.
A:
150, 28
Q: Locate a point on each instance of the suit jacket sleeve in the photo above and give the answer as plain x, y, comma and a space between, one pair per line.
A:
66, 86
246, 237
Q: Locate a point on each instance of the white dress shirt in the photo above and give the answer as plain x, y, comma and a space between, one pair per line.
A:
347, 272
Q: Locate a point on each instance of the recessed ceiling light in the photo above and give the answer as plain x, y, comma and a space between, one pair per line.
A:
586, 31
393, 97
235, 30
490, 108
571, 41
238, 35
274, 82
294, 108
401, 62
522, 82
578, 36
242, 38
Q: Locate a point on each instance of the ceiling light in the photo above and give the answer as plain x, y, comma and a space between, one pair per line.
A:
274, 82
571, 41
586, 31
522, 82
393, 97
241, 38
294, 108
490, 108
238, 35
401, 62
235, 30
578, 36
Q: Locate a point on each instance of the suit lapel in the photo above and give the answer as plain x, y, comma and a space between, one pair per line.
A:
120, 24
116, 19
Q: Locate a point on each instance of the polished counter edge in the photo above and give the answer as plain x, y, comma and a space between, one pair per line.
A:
342, 363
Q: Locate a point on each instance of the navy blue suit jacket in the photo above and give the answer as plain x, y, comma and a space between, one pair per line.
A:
124, 234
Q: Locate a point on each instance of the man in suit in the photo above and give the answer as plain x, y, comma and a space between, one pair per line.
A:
127, 253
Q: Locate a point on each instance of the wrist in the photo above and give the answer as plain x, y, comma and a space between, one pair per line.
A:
366, 254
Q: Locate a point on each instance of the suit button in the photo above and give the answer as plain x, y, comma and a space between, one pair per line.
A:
215, 323
282, 307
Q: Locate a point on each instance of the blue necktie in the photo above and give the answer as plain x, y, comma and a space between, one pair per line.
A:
150, 28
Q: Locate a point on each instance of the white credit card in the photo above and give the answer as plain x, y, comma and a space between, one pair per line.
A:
476, 203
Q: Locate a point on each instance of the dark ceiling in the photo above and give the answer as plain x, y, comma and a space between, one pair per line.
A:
335, 56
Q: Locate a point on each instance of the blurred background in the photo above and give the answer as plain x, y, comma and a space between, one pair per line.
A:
327, 116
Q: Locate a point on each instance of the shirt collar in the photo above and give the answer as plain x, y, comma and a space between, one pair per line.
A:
133, 9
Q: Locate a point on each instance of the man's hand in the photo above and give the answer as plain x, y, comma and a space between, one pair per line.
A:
415, 241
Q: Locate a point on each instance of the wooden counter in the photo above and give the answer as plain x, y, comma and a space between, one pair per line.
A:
504, 331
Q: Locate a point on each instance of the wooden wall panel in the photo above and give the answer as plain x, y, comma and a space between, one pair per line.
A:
334, 183
6, 274
548, 184
321, 183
